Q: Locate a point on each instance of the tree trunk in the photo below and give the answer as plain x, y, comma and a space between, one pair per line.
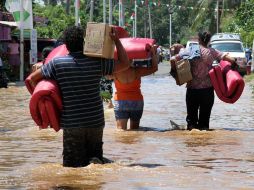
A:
2, 5
67, 7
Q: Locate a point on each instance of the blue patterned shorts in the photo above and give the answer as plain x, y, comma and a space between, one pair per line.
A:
128, 109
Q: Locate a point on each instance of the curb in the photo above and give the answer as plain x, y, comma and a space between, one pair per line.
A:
18, 83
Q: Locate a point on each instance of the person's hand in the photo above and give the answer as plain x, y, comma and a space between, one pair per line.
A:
153, 50
36, 66
114, 34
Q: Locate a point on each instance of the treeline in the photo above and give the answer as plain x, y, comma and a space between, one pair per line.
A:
188, 17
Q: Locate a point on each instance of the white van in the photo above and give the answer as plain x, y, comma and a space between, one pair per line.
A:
231, 43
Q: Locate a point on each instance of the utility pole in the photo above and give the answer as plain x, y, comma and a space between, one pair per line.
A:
110, 12
135, 35
170, 11
150, 22
123, 12
219, 7
133, 28
104, 11
21, 71
145, 21
120, 16
91, 10
77, 4
217, 17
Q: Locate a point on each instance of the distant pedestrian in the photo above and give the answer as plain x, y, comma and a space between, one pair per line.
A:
160, 54
200, 92
14, 58
248, 53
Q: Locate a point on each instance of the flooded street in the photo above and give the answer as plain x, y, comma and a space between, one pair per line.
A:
154, 157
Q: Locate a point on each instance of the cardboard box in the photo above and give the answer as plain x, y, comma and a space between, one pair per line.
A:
97, 42
183, 72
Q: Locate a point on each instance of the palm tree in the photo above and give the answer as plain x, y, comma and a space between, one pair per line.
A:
215, 8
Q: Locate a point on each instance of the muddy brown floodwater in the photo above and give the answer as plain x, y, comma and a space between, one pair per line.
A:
154, 157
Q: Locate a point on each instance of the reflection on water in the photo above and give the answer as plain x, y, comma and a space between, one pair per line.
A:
153, 157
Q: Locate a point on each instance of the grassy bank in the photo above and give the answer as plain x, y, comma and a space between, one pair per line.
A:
250, 80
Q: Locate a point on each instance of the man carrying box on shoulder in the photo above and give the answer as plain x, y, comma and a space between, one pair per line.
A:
78, 77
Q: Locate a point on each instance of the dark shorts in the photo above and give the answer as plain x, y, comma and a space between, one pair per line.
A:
127, 109
80, 145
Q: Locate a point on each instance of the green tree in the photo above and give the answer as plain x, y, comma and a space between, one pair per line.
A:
241, 21
58, 20
188, 17
2, 3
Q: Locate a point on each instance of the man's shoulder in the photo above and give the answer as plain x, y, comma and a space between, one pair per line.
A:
59, 59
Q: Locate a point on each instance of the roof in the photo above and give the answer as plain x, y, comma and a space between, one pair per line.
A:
7, 23
226, 36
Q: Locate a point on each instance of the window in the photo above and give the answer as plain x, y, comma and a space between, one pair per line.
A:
228, 47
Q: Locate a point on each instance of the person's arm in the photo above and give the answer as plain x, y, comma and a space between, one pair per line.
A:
123, 59
230, 59
37, 66
47, 71
173, 61
36, 76
218, 55
141, 71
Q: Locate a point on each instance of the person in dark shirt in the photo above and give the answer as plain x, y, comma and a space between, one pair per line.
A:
78, 77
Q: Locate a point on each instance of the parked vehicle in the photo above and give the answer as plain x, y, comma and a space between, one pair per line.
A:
231, 43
